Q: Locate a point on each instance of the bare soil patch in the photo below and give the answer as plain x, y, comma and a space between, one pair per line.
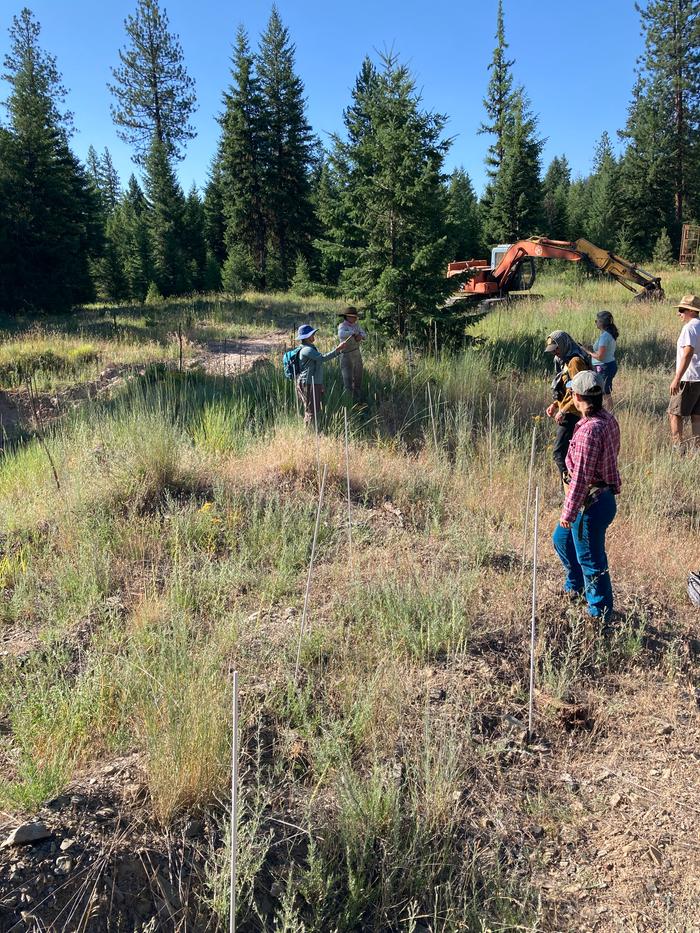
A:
231, 357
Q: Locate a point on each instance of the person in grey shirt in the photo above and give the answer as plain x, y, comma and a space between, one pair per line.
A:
351, 357
310, 387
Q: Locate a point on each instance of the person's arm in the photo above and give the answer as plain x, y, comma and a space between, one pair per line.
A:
585, 451
333, 353
687, 354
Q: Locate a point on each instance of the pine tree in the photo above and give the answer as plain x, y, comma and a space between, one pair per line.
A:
392, 230
242, 159
517, 190
154, 95
603, 220
110, 184
663, 250
463, 218
555, 189
646, 200
132, 235
301, 284
214, 220
166, 220
288, 145
52, 215
499, 98
663, 126
238, 273
329, 207
193, 242
578, 205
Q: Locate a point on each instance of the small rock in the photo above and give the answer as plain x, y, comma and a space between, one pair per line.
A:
64, 865
614, 800
67, 844
666, 730
110, 769
537, 832
27, 832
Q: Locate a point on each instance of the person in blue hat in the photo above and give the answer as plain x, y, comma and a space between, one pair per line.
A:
310, 387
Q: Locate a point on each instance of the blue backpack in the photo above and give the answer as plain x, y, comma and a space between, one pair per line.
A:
291, 363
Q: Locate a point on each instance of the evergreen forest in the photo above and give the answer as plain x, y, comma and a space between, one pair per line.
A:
372, 217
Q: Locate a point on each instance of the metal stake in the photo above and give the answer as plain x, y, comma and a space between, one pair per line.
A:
311, 567
347, 475
490, 420
534, 615
529, 497
234, 806
318, 446
432, 417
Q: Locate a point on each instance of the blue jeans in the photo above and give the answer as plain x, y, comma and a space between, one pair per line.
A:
607, 372
581, 550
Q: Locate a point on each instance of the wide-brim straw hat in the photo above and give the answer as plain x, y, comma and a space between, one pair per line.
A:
690, 303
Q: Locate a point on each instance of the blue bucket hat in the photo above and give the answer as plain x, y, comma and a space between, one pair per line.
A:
305, 331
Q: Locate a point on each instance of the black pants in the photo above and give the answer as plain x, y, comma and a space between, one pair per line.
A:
562, 440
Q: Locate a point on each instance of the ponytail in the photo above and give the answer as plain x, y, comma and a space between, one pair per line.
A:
608, 323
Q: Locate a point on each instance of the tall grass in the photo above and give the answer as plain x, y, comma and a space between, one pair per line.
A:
177, 547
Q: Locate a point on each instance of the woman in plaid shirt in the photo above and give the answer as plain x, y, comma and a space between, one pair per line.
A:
589, 506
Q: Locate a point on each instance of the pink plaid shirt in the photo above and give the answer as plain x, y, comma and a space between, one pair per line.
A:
591, 460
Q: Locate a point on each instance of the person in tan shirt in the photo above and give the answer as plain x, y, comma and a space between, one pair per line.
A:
571, 359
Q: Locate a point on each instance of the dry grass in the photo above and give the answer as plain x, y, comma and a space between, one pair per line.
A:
177, 549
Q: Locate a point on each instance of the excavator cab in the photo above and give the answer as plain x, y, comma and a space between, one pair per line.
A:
498, 252
523, 277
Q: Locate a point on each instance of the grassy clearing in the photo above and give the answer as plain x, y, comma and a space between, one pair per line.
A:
177, 549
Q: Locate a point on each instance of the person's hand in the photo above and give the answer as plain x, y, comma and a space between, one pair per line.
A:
559, 417
345, 342
675, 386
564, 523
551, 410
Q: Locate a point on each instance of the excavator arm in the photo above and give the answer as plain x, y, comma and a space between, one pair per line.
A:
495, 283
626, 273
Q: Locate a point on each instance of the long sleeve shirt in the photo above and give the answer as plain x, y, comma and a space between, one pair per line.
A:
346, 330
591, 460
311, 364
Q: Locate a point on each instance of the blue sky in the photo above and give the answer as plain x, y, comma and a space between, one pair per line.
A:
576, 62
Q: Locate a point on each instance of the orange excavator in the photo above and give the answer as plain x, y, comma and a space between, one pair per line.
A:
513, 270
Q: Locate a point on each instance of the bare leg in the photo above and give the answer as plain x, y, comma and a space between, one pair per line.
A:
676, 429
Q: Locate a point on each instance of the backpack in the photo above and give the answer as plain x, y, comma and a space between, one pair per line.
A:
291, 363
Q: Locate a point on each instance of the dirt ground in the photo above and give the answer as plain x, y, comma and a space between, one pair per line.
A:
20, 414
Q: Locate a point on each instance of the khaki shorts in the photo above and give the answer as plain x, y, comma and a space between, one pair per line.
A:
687, 401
